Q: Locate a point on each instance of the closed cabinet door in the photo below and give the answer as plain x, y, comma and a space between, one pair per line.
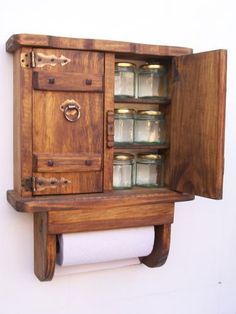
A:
68, 122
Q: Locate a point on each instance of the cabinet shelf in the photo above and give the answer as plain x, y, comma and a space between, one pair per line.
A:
138, 101
94, 201
140, 147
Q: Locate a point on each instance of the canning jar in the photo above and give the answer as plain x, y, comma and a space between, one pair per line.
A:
152, 81
124, 125
124, 79
123, 171
149, 170
150, 127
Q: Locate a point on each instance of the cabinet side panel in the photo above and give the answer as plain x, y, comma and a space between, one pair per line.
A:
108, 106
22, 123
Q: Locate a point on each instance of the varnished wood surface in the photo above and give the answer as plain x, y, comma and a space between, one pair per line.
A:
44, 248
110, 218
108, 108
161, 247
197, 124
114, 199
67, 81
17, 40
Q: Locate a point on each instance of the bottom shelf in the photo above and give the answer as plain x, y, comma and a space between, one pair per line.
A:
112, 199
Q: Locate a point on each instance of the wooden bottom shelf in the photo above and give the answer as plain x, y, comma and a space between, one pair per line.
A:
116, 198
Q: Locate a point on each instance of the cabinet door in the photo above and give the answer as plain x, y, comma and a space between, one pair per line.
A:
197, 124
68, 123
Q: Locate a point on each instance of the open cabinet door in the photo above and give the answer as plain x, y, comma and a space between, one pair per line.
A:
197, 124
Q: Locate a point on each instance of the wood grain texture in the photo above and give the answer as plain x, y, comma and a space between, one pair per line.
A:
17, 40
110, 218
114, 199
67, 163
197, 124
67, 81
161, 247
44, 248
59, 136
22, 123
108, 107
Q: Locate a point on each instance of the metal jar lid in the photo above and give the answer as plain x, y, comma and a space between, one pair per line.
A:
150, 156
123, 156
124, 111
149, 112
152, 66
125, 65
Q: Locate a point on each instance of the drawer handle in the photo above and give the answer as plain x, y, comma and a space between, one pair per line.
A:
71, 110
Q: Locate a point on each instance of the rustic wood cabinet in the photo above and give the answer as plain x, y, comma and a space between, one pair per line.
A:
64, 138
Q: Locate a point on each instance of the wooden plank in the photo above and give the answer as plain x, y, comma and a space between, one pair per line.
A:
111, 218
67, 163
22, 123
17, 40
197, 124
161, 247
108, 107
67, 81
114, 199
44, 248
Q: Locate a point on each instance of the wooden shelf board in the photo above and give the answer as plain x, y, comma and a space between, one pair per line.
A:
140, 146
96, 201
138, 101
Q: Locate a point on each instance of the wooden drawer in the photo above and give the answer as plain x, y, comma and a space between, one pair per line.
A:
67, 162
57, 81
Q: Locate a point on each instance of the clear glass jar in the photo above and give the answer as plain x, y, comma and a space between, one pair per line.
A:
150, 127
124, 79
123, 171
149, 170
152, 82
124, 126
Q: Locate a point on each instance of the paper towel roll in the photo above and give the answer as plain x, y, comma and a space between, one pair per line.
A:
104, 246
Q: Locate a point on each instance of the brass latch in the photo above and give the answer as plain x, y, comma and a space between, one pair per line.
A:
39, 60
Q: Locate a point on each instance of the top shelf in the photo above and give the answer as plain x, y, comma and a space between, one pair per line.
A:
142, 101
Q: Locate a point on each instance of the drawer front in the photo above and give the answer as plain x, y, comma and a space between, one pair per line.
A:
67, 81
67, 163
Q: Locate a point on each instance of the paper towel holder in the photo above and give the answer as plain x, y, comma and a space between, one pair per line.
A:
68, 187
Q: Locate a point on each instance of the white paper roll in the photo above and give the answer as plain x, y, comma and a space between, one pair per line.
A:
104, 246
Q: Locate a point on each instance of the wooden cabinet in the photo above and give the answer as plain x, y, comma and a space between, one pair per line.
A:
64, 138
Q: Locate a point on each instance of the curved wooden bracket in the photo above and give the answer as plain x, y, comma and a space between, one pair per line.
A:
161, 247
44, 248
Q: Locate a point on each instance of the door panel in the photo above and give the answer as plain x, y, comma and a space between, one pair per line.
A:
63, 141
197, 124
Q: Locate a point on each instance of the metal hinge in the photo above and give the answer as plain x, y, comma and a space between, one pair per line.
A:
38, 60
35, 184
29, 184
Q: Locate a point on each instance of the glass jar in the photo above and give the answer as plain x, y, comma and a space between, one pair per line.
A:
150, 127
124, 79
152, 81
123, 171
124, 126
149, 170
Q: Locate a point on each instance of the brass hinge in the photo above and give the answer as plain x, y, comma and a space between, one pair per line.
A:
39, 60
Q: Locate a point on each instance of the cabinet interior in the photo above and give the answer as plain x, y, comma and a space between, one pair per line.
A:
148, 104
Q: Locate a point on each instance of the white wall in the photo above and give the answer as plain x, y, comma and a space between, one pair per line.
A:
200, 275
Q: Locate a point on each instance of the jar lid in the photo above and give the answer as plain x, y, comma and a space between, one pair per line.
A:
123, 156
152, 66
149, 112
150, 156
124, 111
125, 64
